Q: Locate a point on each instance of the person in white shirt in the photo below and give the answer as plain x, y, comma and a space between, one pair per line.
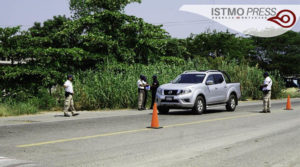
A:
266, 88
147, 88
69, 92
141, 93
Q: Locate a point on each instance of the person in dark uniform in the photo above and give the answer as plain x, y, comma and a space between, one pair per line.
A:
154, 86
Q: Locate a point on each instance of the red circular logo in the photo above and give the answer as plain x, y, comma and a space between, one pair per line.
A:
285, 18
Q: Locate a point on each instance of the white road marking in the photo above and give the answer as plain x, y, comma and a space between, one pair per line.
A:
14, 163
2, 159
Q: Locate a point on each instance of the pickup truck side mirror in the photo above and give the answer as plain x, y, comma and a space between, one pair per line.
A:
209, 82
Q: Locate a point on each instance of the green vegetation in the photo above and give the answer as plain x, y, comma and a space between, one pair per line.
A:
293, 92
114, 85
22, 103
11, 108
82, 8
107, 50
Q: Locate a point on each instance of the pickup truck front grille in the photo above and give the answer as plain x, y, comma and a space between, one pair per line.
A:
166, 101
170, 92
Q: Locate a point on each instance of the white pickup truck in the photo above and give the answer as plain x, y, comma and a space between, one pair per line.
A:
196, 90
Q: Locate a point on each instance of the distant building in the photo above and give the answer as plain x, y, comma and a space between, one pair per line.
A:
4, 61
292, 81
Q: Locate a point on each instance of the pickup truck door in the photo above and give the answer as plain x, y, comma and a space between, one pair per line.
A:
221, 88
211, 94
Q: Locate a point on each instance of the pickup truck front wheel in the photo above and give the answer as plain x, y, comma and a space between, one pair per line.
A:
231, 104
200, 106
163, 110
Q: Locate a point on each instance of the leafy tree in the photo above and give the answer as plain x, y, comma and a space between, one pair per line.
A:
220, 44
11, 42
87, 7
10, 39
279, 53
177, 48
43, 59
61, 46
114, 34
45, 35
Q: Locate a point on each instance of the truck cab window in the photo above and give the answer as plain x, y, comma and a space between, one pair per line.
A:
218, 78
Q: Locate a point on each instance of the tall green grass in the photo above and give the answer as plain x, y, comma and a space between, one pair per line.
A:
115, 85
292, 92
12, 107
22, 104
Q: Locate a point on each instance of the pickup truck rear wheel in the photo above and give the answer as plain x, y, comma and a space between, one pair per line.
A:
163, 110
200, 106
231, 104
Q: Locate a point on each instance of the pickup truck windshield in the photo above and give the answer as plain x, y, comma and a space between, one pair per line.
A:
189, 79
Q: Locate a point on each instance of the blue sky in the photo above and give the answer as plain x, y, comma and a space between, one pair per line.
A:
166, 12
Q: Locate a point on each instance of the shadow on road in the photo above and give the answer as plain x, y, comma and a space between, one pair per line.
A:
59, 115
255, 112
190, 112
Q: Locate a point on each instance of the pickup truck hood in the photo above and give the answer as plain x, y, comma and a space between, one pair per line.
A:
171, 86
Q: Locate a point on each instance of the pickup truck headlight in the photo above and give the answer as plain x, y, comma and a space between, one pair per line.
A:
159, 91
187, 91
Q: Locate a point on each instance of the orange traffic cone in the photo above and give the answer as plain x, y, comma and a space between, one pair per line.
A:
155, 121
288, 104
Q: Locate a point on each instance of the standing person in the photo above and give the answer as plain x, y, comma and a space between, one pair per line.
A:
154, 86
266, 88
69, 92
147, 88
141, 91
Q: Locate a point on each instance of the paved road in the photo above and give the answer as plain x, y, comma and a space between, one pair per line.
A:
244, 138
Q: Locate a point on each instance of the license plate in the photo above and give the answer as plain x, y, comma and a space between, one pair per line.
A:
169, 99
